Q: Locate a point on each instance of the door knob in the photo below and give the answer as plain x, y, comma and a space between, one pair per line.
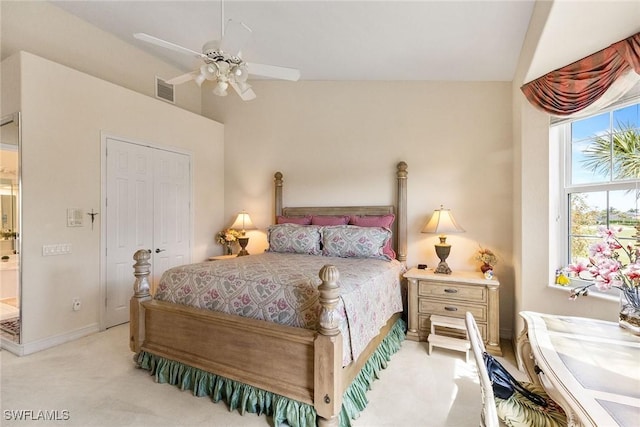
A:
160, 250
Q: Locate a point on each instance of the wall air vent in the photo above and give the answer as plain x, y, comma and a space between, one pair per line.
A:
164, 90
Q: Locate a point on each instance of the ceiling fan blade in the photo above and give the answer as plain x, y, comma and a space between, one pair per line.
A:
168, 45
236, 36
247, 95
183, 78
282, 73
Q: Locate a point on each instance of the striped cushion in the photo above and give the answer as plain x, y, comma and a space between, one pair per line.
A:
518, 411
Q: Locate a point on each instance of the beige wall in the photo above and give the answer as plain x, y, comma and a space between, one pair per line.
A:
61, 168
45, 30
337, 143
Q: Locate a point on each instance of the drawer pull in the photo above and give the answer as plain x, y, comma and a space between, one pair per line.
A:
451, 291
451, 308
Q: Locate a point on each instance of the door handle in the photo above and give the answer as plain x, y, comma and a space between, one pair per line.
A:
160, 250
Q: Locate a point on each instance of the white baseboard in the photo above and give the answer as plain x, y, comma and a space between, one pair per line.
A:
45, 343
11, 346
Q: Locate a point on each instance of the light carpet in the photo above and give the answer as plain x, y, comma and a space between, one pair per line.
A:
93, 382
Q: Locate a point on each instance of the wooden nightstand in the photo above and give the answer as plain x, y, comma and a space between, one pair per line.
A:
452, 295
219, 257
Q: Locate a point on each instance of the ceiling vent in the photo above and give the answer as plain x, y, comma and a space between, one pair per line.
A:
164, 90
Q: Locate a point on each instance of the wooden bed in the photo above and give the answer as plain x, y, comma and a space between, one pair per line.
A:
307, 366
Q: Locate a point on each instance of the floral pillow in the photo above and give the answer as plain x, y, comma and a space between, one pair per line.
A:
348, 241
294, 238
385, 221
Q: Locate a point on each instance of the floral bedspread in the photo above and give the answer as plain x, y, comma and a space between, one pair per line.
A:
282, 288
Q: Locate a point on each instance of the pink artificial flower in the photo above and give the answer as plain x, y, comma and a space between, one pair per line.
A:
608, 233
608, 265
602, 284
577, 268
614, 244
632, 271
599, 249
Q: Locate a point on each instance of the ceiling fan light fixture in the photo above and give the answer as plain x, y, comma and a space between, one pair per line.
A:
199, 79
223, 67
209, 71
240, 73
221, 89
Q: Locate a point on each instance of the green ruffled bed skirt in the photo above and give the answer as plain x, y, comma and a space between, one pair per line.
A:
246, 398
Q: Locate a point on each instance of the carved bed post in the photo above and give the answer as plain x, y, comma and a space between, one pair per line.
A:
142, 269
402, 212
328, 351
278, 200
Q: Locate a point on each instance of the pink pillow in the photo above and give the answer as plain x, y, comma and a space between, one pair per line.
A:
373, 220
385, 221
329, 220
300, 220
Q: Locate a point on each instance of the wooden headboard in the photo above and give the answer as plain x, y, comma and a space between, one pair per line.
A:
399, 209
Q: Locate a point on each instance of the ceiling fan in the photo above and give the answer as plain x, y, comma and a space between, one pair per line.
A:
223, 64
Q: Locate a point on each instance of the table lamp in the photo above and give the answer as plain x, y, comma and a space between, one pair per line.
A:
442, 222
243, 223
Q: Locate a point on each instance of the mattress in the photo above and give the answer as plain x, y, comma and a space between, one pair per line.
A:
282, 288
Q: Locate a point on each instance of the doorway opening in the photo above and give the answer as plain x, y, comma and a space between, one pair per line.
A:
10, 302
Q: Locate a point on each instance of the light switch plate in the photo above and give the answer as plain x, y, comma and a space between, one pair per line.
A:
56, 249
74, 217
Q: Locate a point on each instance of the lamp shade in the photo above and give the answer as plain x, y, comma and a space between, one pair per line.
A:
243, 222
442, 222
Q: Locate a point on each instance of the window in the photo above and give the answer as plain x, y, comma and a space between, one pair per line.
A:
600, 178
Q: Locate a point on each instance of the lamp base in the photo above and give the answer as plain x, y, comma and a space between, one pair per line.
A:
243, 242
442, 268
442, 250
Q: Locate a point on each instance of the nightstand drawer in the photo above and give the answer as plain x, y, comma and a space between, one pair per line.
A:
452, 309
452, 291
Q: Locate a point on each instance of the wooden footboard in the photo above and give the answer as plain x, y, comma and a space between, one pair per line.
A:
301, 364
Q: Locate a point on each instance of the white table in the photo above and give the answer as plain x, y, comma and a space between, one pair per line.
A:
589, 367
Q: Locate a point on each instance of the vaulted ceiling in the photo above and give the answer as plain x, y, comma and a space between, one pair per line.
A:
336, 40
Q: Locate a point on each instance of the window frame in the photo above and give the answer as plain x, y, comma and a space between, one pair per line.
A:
565, 188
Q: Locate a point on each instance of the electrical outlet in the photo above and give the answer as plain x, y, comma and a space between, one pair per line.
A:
76, 304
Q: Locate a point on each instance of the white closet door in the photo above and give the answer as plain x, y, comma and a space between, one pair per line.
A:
171, 211
129, 221
148, 207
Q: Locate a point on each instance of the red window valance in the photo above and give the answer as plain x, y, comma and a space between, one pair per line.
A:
573, 88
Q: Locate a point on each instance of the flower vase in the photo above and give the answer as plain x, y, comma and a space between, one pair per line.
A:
630, 309
227, 249
485, 267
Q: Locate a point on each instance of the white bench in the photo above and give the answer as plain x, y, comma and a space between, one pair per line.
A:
452, 343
